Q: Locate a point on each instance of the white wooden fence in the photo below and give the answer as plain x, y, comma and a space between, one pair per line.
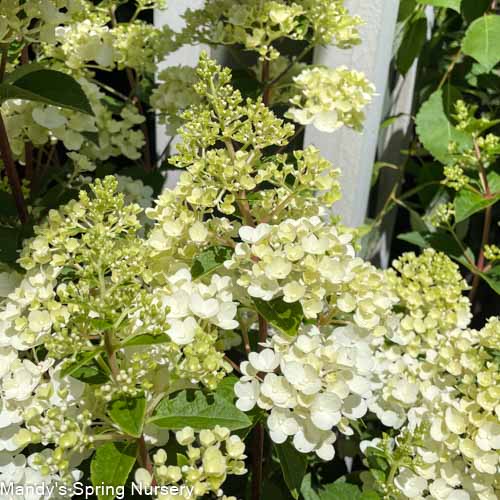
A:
354, 153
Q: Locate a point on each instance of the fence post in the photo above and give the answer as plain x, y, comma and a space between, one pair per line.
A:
354, 153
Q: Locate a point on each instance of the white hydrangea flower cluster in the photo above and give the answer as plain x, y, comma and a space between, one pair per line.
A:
24, 471
43, 124
323, 383
197, 313
331, 98
210, 456
309, 261
440, 380
91, 42
257, 27
17, 19
135, 191
174, 94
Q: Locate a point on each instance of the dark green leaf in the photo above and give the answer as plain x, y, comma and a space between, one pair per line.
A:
209, 260
7, 205
406, 9
91, 374
81, 359
492, 277
282, 315
199, 411
474, 9
146, 339
9, 244
411, 44
293, 465
449, 4
46, 86
468, 203
482, 41
111, 465
436, 132
128, 413
22, 70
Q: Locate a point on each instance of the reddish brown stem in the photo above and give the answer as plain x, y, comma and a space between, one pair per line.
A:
481, 260
488, 215
12, 175
263, 330
257, 456
28, 146
143, 458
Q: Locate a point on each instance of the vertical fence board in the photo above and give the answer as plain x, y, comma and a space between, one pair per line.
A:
353, 152
186, 56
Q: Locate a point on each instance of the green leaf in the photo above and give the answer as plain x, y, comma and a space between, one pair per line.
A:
293, 465
370, 495
492, 277
468, 203
111, 465
494, 181
209, 260
146, 339
91, 374
406, 9
411, 45
448, 4
81, 359
482, 41
46, 86
435, 130
199, 411
340, 491
307, 490
129, 413
282, 315
225, 389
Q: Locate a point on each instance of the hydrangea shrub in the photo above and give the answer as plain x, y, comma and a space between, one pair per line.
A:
227, 333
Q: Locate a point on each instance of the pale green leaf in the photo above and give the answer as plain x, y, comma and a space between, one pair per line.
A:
111, 465
128, 413
467, 203
435, 130
482, 41
199, 411
146, 339
307, 490
340, 491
